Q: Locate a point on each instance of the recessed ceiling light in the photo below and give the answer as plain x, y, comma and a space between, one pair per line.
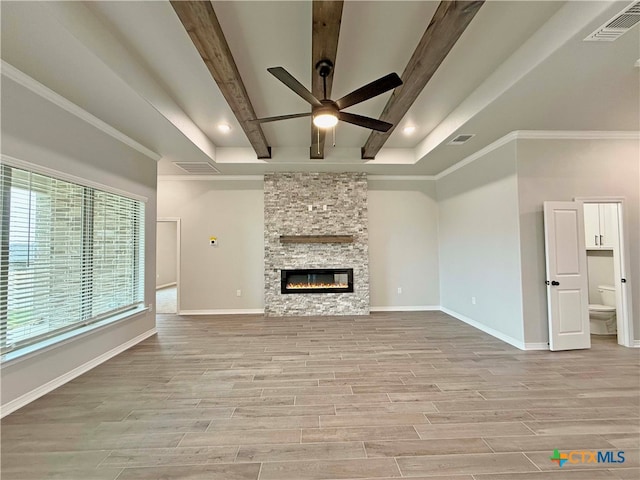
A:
408, 130
224, 128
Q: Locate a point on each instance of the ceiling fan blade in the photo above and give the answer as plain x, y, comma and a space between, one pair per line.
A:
370, 90
280, 117
365, 122
289, 80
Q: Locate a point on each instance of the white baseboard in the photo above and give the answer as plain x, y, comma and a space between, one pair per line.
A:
491, 331
36, 393
230, 311
165, 285
536, 346
636, 344
406, 308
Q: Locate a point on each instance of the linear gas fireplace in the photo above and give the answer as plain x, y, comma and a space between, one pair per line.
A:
317, 280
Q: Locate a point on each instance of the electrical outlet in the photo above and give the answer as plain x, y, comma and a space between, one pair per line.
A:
238, 293
310, 207
473, 300
399, 290
324, 208
151, 308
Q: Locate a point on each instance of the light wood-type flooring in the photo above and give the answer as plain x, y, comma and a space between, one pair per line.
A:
417, 395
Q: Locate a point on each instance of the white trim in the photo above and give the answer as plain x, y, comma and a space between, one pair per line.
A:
536, 346
636, 344
32, 167
401, 177
191, 178
577, 135
539, 135
165, 285
406, 308
491, 331
38, 392
38, 88
230, 311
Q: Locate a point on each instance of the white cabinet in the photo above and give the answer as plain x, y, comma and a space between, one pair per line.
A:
601, 225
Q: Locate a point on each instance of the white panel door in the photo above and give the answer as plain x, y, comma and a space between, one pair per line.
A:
567, 285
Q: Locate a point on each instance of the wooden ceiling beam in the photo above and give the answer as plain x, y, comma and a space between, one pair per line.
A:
447, 25
327, 16
201, 23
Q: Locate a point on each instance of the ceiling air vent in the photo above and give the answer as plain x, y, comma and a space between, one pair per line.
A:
197, 168
618, 25
460, 139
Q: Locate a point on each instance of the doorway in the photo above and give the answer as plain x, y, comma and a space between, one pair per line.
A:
167, 265
606, 267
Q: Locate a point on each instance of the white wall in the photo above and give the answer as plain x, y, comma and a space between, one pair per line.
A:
232, 211
36, 131
403, 244
480, 244
563, 170
166, 253
403, 248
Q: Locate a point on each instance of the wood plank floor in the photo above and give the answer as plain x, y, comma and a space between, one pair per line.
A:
391, 395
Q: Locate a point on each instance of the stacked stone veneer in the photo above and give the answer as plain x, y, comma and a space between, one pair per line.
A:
287, 197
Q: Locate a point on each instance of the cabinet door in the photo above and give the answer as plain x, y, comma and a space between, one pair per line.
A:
609, 224
592, 225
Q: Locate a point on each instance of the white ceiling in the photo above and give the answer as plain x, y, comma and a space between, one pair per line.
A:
519, 66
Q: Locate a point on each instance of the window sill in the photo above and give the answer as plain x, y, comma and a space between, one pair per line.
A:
29, 351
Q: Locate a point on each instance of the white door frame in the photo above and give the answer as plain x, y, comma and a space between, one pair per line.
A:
177, 222
623, 313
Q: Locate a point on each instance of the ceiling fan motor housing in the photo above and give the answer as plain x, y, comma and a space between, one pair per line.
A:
324, 68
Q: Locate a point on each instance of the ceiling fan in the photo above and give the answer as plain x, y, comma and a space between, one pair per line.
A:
327, 112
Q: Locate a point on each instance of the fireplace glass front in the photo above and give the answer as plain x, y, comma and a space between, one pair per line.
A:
318, 280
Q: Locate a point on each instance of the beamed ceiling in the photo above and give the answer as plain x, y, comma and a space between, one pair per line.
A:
166, 74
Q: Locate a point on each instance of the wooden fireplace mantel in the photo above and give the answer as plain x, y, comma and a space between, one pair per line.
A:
316, 238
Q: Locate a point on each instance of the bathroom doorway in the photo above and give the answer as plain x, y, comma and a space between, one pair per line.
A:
167, 265
606, 269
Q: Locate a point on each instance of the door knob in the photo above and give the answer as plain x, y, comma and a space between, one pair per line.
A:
553, 282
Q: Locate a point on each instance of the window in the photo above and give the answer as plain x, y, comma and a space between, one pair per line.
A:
70, 255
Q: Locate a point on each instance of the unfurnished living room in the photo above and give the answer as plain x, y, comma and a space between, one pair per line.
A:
320, 240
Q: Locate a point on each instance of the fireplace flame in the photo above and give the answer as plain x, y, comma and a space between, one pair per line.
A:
317, 285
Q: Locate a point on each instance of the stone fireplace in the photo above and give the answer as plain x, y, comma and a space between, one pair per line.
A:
316, 244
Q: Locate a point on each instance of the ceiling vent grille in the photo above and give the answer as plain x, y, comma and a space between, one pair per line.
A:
618, 25
460, 139
197, 168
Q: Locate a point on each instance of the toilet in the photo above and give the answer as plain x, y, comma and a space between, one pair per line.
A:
602, 316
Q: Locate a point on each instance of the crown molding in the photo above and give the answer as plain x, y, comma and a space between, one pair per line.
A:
402, 177
21, 78
209, 178
540, 135
576, 135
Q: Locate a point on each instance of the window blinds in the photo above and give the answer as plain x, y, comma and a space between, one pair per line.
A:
70, 255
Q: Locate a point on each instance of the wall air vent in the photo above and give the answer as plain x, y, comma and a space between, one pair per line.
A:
197, 168
618, 25
460, 139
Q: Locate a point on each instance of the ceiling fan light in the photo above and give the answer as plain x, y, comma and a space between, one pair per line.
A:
325, 120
